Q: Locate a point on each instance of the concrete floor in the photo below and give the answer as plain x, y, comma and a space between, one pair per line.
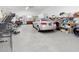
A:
30, 40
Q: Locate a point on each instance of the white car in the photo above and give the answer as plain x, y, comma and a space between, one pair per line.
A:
44, 24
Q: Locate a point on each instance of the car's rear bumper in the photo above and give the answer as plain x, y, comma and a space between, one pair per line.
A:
47, 27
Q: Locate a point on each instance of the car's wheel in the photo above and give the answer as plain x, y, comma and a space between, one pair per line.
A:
57, 26
75, 31
33, 26
38, 28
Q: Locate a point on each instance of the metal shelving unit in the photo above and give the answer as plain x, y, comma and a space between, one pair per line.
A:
6, 28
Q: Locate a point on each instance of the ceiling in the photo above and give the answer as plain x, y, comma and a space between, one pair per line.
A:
34, 9
39, 9
13, 8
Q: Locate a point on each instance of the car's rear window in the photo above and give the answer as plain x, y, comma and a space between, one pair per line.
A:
45, 19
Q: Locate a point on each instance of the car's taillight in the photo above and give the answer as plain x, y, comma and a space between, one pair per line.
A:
44, 23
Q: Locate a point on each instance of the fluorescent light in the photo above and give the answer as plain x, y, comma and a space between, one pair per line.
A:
27, 8
29, 16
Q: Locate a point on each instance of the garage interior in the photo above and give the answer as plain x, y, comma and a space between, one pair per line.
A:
25, 38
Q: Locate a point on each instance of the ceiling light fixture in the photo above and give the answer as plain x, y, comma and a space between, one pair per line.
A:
27, 8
